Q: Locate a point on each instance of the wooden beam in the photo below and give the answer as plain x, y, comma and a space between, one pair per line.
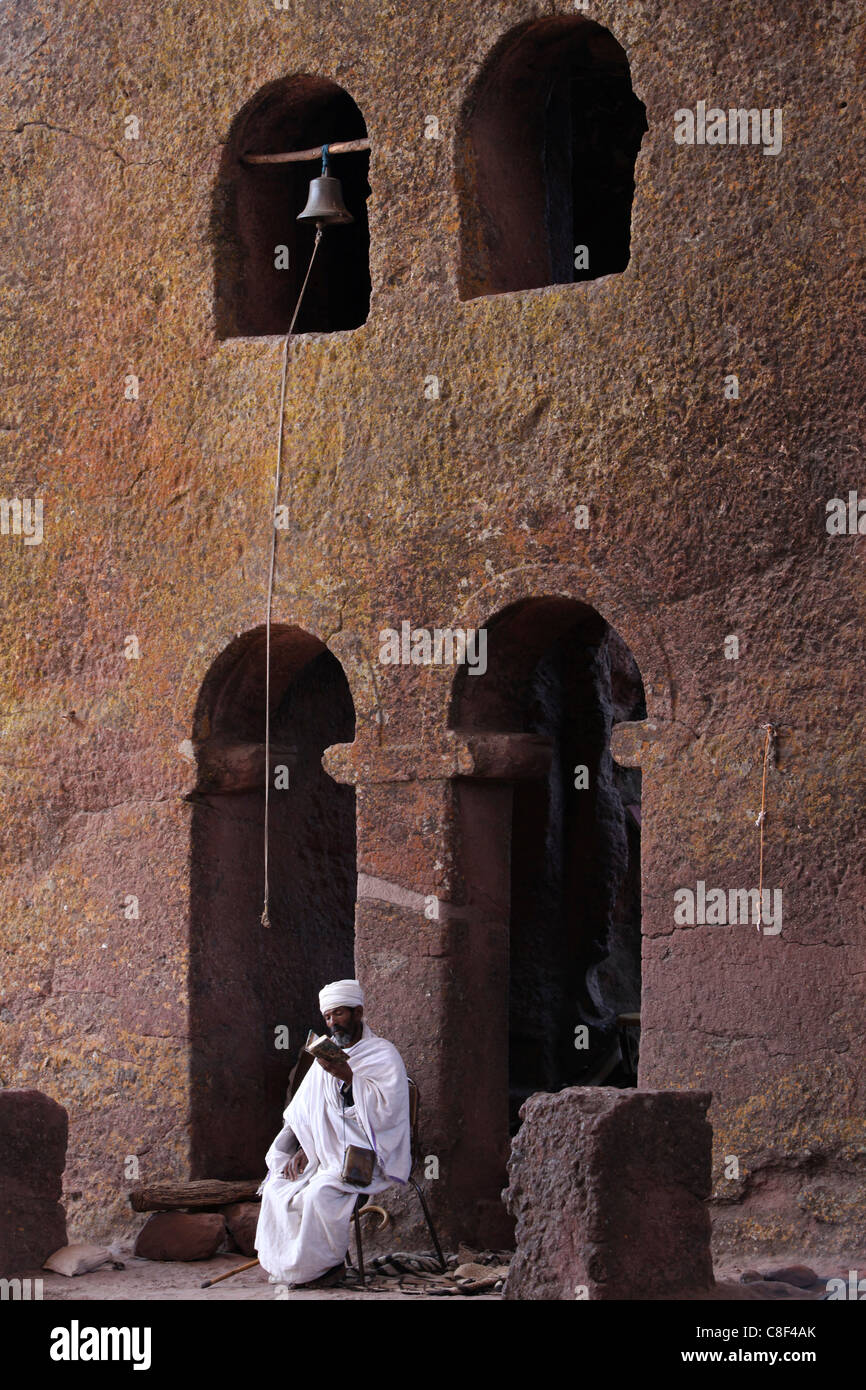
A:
206, 1192
238, 767
299, 156
505, 757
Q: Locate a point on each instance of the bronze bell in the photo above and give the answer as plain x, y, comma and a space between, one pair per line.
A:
325, 204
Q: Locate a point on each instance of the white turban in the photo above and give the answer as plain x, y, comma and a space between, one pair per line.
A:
345, 993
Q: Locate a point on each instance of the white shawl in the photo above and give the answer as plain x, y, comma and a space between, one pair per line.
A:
380, 1112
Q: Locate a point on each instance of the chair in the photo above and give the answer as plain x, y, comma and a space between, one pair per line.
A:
363, 1198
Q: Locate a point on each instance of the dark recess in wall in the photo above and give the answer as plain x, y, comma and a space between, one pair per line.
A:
246, 979
256, 208
557, 669
549, 135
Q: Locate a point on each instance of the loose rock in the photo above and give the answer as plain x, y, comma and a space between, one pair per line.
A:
179, 1235
801, 1276
242, 1218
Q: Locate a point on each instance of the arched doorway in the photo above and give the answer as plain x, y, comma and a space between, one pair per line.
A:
253, 990
569, 874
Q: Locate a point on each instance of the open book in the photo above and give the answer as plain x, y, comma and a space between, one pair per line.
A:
324, 1047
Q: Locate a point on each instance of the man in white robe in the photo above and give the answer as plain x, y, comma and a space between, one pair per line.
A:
306, 1212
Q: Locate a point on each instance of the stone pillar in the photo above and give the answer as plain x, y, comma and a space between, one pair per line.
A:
33, 1133
609, 1189
431, 949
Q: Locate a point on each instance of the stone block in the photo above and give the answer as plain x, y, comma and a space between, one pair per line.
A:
609, 1190
181, 1235
33, 1134
242, 1218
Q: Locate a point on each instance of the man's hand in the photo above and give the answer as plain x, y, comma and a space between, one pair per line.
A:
295, 1166
341, 1070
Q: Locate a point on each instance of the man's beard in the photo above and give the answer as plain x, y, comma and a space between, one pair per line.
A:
341, 1038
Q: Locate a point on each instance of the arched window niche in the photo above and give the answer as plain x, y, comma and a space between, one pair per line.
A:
549, 135
256, 208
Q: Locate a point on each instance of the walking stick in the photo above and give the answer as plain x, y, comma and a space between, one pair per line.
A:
239, 1269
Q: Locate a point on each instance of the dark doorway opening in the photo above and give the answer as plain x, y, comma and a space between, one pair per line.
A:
256, 209
557, 670
550, 134
248, 981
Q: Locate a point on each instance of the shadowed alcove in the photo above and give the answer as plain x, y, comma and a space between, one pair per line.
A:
549, 135
246, 980
552, 851
256, 208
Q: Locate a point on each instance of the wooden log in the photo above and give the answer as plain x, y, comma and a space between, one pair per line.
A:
294, 156
206, 1192
505, 757
239, 767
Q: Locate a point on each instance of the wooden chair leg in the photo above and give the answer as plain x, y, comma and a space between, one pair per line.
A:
358, 1238
431, 1228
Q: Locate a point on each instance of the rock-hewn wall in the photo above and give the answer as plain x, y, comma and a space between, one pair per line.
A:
707, 519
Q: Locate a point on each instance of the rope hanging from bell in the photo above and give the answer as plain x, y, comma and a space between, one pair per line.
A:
326, 208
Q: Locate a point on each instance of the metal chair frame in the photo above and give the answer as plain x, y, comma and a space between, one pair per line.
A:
363, 1198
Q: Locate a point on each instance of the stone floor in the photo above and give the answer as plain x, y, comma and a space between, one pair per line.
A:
145, 1279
